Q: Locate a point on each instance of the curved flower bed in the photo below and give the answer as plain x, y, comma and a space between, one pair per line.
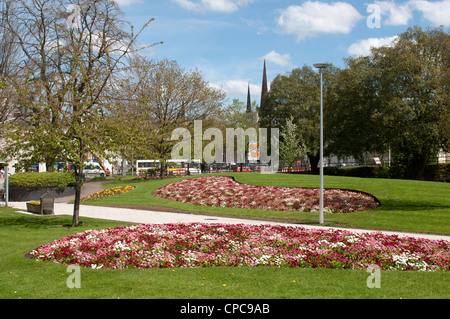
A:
221, 191
206, 245
108, 192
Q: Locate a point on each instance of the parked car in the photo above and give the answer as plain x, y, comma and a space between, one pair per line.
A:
93, 170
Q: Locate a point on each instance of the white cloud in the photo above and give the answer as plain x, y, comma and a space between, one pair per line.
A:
397, 14
362, 48
437, 12
313, 18
226, 6
124, 3
277, 58
240, 87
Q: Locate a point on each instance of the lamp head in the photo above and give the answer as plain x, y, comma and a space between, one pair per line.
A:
321, 65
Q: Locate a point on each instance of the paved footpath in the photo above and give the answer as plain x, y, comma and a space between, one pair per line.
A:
158, 217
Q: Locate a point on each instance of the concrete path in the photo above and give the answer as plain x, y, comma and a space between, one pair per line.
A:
86, 190
160, 217
157, 217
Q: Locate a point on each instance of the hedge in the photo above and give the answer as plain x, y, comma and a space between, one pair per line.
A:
435, 172
358, 171
438, 172
42, 180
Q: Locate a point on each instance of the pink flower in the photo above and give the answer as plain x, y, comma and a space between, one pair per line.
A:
224, 191
208, 245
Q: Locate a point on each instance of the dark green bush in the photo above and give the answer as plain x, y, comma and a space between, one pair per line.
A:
353, 171
438, 172
398, 170
98, 178
151, 172
42, 180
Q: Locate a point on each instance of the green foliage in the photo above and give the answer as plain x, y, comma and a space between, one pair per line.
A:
42, 180
99, 178
397, 99
291, 148
235, 115
297, 95
359, 171
438, 172
354, 171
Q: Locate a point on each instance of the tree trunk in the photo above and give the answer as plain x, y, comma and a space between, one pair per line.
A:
162, 174
314, 161
419, 163
49, 165
76, 206
123, 168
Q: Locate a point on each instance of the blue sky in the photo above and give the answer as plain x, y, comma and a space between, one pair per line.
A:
228, 40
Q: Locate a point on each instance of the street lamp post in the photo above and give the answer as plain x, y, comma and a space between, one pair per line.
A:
6, 185
321, 66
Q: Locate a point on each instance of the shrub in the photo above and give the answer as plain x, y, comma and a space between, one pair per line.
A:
353, 171
42, 180
438, 172
98, 179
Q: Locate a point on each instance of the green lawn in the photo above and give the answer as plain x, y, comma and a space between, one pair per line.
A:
25, 278
411, 206
406, 205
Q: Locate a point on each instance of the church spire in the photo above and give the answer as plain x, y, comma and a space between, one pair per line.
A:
249, 102
264, 86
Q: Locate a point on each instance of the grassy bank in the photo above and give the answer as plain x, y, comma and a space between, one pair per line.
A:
411, 206
23, 278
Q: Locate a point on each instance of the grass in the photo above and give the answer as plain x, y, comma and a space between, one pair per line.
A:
406, 205
22, 278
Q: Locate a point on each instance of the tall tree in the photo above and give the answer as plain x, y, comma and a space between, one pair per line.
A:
9, 56
354, 112
297, 95
166, 97
397, 98
68, 69
414, 86
291, 147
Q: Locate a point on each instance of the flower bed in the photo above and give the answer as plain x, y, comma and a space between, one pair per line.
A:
108, 192
34, 207
221, 191
207, 245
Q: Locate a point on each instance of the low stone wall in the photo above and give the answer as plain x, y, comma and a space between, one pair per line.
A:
20, 194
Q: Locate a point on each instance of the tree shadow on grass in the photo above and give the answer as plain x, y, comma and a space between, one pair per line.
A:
408, 205
30, 221
12, 218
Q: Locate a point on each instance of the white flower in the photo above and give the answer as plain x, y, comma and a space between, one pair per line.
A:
121, 246
94, 266
352, 239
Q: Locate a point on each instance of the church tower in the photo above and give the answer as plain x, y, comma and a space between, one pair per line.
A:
249, 101
264, 87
